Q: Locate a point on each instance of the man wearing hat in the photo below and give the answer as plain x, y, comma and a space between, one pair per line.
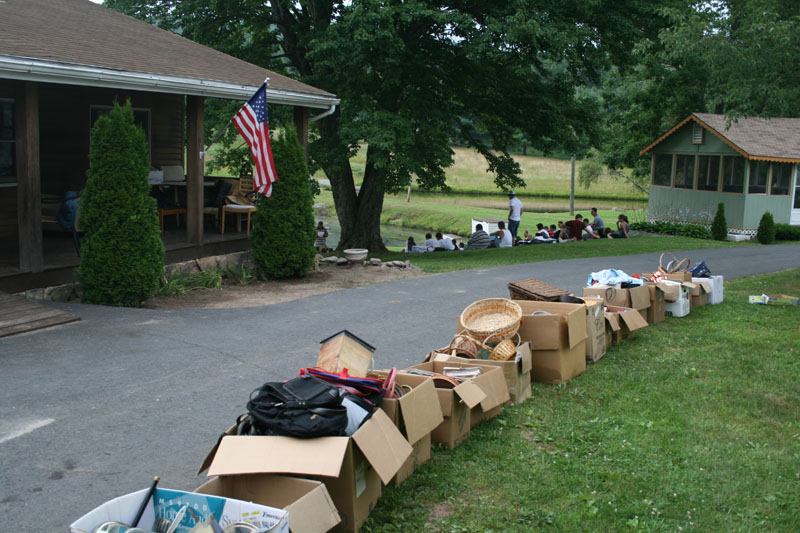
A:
514, 214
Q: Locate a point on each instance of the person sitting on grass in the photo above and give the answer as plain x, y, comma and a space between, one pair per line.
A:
542, 236
411, 247
598, 225
479, 240
623, 227
574, 228
432, 243
502, 237
553, 231
445, 242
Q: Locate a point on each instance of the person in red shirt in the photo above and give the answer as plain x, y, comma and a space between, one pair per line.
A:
575, 228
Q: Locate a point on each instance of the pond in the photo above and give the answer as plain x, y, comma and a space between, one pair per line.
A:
392, 235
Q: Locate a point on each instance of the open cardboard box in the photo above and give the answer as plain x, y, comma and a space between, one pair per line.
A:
558, 339
717, 288
310, 507
416, 414
623, 323
166, 503
516, 371
632, 298
352, 468
595, 328
473, 397
700, 292
657, 309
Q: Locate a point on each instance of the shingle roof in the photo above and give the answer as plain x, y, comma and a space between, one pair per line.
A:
79, 33
757, 138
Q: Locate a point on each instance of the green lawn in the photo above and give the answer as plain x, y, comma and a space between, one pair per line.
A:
694, 425
448, 261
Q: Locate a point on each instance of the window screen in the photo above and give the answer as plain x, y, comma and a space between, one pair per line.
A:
708, 173
733, 174
781, 178
662, 171
759, 170
684, 171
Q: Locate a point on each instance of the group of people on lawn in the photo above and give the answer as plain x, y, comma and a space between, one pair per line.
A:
577, 229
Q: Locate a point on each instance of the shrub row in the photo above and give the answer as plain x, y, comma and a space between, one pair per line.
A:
785, 232
670, 228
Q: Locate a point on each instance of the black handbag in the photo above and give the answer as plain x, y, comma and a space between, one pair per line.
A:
303, 407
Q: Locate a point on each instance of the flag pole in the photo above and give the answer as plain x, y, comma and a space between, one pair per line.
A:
223, 130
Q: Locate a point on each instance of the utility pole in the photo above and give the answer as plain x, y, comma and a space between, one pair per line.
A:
572, 189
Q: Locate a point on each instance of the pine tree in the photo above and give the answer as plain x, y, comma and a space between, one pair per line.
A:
123, 255
766, 229
282, 239
719, 228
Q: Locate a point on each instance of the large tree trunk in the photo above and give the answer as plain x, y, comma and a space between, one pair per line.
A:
359, 213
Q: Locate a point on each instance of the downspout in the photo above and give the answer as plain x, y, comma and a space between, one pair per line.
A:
330, 111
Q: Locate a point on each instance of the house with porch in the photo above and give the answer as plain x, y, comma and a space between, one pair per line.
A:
65, 62
750, 165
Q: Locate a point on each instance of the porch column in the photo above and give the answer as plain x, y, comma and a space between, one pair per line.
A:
301, 125
29, 183
194, 169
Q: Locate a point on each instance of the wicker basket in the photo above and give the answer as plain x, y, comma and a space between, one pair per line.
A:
492, 319
464, 346
533, 289
504, 351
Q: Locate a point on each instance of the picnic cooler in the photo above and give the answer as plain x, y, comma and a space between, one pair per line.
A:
533, 289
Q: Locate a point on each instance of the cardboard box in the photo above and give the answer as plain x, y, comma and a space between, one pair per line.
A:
478, 395
774, 299
416, 414
166, 503
345, 350
517, 372
702, 288
623, 323
717, 289
558, 339
679, 307
657, 310
632, 298
310, 507
595, 328
352, 468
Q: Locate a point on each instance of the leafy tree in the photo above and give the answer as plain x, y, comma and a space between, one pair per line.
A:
766, 229
282, 239
123, 255
719, 227
413, 74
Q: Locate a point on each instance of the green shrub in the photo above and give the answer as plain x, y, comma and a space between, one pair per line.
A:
719, 228
178, 283
766, 229
123, 256
785, 232
670, 228
282, 239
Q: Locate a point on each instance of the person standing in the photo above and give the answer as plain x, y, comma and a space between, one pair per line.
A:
514, 214
321, 241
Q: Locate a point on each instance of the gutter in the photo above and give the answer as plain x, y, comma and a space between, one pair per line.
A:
323, 115
28, 69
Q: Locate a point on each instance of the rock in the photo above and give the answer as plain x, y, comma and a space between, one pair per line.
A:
332, 259
342, 261
408, 263
375, 261
61, 293
319, 205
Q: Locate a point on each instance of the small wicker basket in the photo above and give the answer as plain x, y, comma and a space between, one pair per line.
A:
492, 319
533, 289
504, 351
465, 346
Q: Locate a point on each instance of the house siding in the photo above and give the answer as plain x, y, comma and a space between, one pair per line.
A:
680, 142
758, 204
695, 207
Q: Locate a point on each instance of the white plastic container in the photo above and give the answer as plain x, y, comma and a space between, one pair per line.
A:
717, 288
679, 307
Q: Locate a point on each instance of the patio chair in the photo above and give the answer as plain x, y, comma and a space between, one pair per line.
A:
215, 200
240, 204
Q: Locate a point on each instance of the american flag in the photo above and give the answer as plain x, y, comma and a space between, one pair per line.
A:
252, 123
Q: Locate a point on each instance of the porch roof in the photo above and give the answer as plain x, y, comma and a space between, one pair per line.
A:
78, 42
769, 139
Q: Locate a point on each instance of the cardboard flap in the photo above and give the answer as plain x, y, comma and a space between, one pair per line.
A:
421, 411
470, 393
313, 513
612, 295
640, 297
439, 356
383, 445
525, 360
252, 454
613, 321
705, 286
548, 331
633, 320
672, 291
210, 457
494, 385
576, 326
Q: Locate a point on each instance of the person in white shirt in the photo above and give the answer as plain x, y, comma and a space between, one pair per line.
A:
502, 237
445, 242
542, 235
431, 243
514, 214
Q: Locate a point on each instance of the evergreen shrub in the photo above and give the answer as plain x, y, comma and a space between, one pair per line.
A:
719, 227
766, 229
785, 232
282, 240
670, 228
123, 255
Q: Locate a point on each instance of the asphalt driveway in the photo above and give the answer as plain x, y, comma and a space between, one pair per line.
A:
94, 409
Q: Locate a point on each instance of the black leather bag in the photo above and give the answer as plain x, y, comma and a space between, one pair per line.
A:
303, 407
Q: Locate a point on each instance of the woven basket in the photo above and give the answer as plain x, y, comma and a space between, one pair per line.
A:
533, 289
464, 346
505, 350
492, 319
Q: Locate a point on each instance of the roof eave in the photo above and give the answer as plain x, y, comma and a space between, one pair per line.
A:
28, 69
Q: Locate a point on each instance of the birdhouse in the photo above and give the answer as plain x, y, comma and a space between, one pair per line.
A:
345, 350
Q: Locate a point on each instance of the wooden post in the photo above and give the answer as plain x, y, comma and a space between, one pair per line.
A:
572, 188
194, 169
29, 182
301, 125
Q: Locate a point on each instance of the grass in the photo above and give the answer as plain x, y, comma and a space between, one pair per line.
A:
692, 425
446, 262
543, 176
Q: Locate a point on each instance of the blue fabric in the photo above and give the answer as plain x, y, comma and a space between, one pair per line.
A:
513, 226
68, 210
611, 276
